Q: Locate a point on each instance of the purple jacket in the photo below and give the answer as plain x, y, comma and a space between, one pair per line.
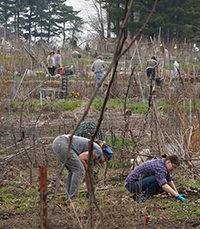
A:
57, 58
155, 167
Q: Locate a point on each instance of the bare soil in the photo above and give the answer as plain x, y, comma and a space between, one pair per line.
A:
118, 208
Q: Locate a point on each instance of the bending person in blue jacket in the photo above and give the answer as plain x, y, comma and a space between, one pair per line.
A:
77, 162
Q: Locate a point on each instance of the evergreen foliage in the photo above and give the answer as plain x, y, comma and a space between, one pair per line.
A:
178, 19
45, 19
38, 18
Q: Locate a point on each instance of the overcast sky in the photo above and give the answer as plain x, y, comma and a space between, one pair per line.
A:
87, 9
84, 5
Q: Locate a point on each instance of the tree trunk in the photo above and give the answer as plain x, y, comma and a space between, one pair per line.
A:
108, 22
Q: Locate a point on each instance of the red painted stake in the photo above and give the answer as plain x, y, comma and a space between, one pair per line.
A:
43, 196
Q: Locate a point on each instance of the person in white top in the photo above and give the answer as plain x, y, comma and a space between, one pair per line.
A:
176, 68
51, 63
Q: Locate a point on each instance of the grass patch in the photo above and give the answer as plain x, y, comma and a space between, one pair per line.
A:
126, 143
24, 114
112, 104
140, 107
9, 188
189, 183
7, 197
24, 203
174, 208
64, 105
30, 192
120, 143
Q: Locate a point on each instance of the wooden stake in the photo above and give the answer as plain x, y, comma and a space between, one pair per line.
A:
43, 196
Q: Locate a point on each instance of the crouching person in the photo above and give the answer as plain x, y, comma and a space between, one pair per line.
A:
153, 177
77, 162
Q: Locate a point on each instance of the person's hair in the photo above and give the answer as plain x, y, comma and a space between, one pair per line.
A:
153, 57
101, 143
58, 51
174, 159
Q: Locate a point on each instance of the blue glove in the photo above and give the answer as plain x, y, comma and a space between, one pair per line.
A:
181, 198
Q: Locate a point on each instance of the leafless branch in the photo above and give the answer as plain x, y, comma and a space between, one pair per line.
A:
113, 66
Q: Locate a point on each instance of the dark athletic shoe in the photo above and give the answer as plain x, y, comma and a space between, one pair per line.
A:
141, 198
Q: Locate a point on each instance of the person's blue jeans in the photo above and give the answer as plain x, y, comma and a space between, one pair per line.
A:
147, 184
98, 76
151, 71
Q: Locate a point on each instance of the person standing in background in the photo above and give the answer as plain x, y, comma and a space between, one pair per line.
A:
98, 67
51, 63
57, 57
176, 68
152, 64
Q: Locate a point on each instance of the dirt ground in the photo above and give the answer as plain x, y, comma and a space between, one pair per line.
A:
118, 209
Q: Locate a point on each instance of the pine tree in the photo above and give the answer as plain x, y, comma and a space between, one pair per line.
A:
178, 19
5, 15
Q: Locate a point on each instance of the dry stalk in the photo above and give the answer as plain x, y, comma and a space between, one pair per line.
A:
126, 127
158, 132
98, 222
71, 214
105, 172
113, 66
74, 210
53, 199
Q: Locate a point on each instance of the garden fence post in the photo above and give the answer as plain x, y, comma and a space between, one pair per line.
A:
43, 196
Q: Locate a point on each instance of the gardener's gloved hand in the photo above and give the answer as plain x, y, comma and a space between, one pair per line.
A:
181, 198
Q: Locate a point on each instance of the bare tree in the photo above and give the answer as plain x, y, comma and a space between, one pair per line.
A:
97, 22
113, 66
